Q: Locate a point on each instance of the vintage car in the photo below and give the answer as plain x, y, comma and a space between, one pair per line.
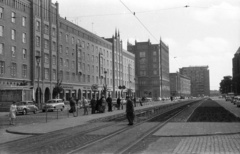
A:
237, 102
54, 104
25, 107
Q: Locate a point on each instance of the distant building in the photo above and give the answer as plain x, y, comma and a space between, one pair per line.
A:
180, 85
152, 69
199, 76
236, 72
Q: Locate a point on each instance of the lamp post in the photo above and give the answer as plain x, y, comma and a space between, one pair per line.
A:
38, 62
105, 86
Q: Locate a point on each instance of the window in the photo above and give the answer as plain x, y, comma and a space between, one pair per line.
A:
13, 69
88, 78
46, 73
24, 37
142, 54
83, 44
60, 49
88, 68
61, 62
53, 46
1, 30
54, 74
13, 34
79, 53
142, 73
92, 59
66, 38
54, 60
2, 67
142, 61
92, 68
154, 53
155, 65
37, 41
72, 40
73, 64
13, 51
46, 58
13, 17
24, 19
96, 79
84, 79
38, 25
73, 76
24, 52
46, 29
67, 63
46, 44
60, 36
24, 71
1, 48
1, 12
67, 52
53, 32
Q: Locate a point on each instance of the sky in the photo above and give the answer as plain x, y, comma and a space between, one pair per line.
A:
205, 33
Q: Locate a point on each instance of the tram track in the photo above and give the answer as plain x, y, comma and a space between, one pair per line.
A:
73, 140
173, 113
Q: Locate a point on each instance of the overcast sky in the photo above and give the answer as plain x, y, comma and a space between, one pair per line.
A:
205, 33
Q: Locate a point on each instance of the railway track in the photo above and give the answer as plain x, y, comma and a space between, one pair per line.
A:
76, 139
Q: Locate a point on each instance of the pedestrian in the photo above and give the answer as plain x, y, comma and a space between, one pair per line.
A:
85, 107
109, 101
97, 105
104, 103
140, 101
72, 106
171, 98
12, 113
129, 111
93, 105
118, 103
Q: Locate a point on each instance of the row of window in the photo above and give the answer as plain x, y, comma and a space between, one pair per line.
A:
13, 69
13, 17
143, 53
13, 34
144, 72
13, 51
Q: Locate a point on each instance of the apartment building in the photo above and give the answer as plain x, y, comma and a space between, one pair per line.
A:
152, 69
40, 49
199, 75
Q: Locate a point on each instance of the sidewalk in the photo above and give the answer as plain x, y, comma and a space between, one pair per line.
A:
41, 128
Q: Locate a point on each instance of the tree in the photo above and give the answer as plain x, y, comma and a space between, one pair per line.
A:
57, 89
226, 85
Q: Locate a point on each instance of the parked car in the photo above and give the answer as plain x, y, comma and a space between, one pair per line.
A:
238, 101
25, 107
157, 99
54, 104
234, 99
148, 99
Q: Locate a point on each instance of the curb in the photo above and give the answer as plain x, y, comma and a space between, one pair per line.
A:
198, 135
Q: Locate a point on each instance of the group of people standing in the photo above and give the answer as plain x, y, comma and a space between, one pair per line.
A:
99, 106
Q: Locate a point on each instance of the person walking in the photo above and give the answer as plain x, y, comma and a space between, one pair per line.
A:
85, 107
104, 103
12, 113
73, 106
93, 105
129, 111
118, 103
109, 101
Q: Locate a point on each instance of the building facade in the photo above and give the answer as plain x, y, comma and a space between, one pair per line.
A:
199, 76
236, 72
180, 85
152, 69
69, 54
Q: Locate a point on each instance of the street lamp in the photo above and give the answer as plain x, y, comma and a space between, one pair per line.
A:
38, 62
